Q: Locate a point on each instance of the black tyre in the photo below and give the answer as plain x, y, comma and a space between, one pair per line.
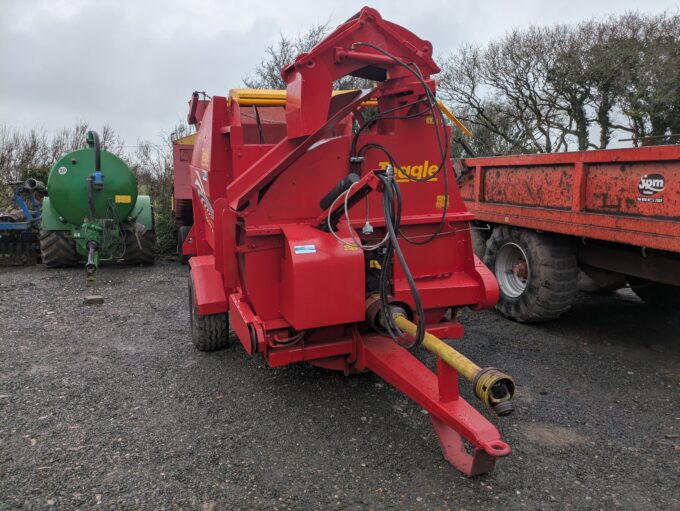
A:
140, 247
663, 296
182, 234
57, 249
210, 332
537, 274
479, 238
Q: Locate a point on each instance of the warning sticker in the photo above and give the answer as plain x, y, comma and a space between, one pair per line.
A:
122, 199
305, 249
442, 201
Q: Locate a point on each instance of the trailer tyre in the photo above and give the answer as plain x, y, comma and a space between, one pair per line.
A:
209, 332
57, 249
480, 236
537, 274
140, 247
662, 296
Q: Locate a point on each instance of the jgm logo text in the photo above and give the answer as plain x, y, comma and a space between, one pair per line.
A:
651, 184
420, 171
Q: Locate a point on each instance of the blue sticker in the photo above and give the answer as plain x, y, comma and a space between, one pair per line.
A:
305, 249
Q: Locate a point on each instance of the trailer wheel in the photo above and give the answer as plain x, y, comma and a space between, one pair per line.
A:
57, 249
663, 296
140, 247
182, 234
537, 274
479, 237
209, 332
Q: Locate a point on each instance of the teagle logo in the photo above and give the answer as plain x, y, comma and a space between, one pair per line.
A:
651, 183
420, 172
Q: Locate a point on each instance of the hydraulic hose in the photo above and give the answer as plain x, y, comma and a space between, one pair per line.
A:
93, 138
95, 180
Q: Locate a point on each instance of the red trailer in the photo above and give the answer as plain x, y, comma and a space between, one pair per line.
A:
182, 151
595, 220
313, 244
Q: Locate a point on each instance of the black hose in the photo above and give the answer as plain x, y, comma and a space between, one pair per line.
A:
392, 211
97, 149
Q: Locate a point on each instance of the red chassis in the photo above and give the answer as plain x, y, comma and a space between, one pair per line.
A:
294, 292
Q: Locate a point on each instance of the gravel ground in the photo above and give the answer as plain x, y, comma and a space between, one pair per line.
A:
110, 406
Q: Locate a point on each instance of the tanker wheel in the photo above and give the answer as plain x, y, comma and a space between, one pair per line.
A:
182, 234
537, 274
57, 249
663, 296
140, 247
209, 332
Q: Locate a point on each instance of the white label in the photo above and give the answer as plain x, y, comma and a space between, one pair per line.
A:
62, 171
305, 249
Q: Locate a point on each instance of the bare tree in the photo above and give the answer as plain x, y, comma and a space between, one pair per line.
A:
547, 89
267, 74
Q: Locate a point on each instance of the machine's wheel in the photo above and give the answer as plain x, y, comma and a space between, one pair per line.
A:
537, 274
57, 249
140, 247
209, 332
663, 296
182, 234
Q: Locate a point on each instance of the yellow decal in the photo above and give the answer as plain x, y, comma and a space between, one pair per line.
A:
373, 263
442, 201
429, 120
205, 156
122, 199
420, 171
350, 248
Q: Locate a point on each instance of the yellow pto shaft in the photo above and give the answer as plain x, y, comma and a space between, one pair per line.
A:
493, 387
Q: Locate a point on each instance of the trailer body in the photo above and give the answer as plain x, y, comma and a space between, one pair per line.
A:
619, 207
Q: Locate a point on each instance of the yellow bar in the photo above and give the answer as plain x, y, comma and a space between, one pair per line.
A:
273, 97
459, 362
188, 140
453, 118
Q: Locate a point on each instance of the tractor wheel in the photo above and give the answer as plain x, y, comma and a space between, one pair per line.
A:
209, 332
182, 234
140, 247
662, 296
57, 249
537, 274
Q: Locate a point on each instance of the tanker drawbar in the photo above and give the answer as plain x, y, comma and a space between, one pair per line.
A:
328, 228
92, 212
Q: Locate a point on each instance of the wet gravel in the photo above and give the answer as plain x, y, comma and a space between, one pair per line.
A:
110, 407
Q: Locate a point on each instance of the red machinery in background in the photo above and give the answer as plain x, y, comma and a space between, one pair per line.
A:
326, 235
590, 220
182, 151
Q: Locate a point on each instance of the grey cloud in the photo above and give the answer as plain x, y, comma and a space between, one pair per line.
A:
134, 64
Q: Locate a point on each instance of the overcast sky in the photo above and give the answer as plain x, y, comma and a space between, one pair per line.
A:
134, 64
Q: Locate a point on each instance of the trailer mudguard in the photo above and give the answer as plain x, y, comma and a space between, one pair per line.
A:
208, 285
50, 220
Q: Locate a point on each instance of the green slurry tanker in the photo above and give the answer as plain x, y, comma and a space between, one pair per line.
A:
92, 212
